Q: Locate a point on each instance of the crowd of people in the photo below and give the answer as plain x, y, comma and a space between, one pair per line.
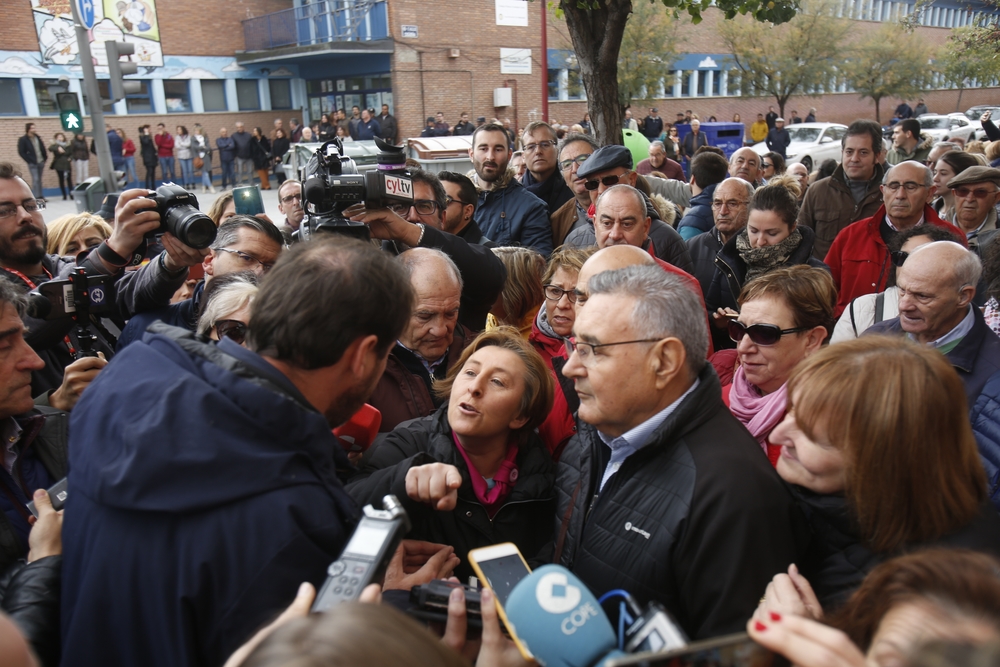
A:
767, 400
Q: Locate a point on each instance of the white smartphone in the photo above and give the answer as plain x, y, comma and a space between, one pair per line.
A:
499, 568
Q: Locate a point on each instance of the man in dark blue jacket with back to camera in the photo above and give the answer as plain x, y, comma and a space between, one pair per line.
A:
206, 491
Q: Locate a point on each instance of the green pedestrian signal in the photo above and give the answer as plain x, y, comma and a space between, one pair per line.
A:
72, 121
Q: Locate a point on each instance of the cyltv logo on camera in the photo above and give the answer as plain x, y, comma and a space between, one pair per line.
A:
399, 187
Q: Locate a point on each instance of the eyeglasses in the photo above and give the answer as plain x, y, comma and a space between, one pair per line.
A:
729, 203
766, 165
290, 198
607, 180
449, 201
978, 193
910, 186
423, 206
898, 257
29, 205
248, 260
586, 350
541, 145
234, 330
578, 160
555, 293
760, 334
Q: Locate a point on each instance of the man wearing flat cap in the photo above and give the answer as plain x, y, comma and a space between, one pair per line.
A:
612, 165
430, 129
977, 191
778, 138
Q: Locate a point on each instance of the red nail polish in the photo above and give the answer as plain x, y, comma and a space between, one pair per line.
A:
775, 616
759, 627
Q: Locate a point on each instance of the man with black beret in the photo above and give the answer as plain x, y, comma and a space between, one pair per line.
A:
612, 165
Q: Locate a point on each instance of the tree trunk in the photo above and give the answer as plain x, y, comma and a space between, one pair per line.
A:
878, 118
597, 36
958, 105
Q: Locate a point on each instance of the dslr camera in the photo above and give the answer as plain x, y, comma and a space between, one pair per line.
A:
180, 216
333, 184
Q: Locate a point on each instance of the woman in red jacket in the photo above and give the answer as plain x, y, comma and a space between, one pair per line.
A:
553, 323
128, 152
786, 315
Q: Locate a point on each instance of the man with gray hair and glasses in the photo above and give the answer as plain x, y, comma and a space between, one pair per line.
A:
859, 258
936, 284
662, 492
244, 243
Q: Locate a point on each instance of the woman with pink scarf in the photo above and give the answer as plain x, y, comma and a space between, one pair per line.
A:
785, 316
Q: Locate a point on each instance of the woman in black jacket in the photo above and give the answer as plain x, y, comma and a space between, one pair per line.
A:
260, 153
770, 240
326, 129
279, 147
475, 472
149, 155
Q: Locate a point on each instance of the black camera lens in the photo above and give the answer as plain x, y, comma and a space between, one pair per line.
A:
191, 226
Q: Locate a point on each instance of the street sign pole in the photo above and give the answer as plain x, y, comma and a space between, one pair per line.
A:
95, 105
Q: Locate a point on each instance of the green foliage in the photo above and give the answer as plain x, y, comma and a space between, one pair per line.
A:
647, 51
787, 60
967, 57
889, 62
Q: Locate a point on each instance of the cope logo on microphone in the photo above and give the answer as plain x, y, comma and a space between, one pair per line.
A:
556, 596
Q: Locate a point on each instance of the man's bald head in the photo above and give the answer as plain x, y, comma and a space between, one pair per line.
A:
936, 285
621, 217
437, 283
609, 259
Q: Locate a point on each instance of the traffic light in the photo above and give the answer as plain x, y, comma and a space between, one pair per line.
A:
118, 69
69, 112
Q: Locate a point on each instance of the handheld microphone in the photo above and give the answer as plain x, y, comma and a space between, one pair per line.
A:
560, 621
360, 431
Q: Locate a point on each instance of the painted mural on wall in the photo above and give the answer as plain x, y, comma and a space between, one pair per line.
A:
115, 20
29, 63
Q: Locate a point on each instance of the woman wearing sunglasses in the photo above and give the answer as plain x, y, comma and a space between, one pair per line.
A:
869, 309
770, 240
785, 317
879, 452
226, 306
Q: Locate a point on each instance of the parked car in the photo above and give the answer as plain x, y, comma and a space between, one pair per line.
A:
946, 127
812, 143
976, 112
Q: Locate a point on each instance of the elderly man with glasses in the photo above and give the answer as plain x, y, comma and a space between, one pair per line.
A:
662, 492
859, 258
441, 217
244, 243
541, 159
977, 191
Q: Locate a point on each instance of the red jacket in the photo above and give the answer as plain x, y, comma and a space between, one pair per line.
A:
859, 258
560, 425
164, 144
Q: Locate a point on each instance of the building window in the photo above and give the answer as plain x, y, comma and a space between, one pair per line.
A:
10, 98
554, 84
213, 95
142, 102
247, 95
45, 93
104, 86
177, 94
281, 93
574, 85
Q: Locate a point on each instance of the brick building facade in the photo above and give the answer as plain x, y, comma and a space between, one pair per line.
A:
256, 60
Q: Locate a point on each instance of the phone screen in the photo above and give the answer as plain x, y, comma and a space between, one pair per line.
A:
503, 573
730, 651
248, 200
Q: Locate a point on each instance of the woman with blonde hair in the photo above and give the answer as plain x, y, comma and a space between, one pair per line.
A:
878, 449
222, 208
73, 234
475, 472
521, 295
